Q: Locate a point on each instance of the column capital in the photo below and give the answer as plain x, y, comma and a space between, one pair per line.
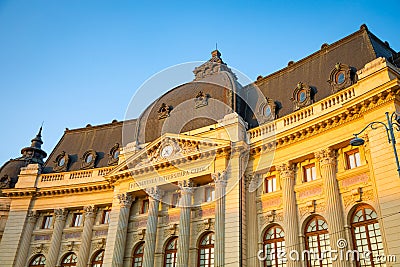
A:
286, 171
186, 187
220, 178
61, 214
33, 215
90, 211
155, 192
255, 182
125, 200
326, 156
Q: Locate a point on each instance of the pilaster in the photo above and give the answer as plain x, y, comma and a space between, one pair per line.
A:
155, 195
26, 239
55, 243
186, 189
290, 216
220, 181
84, 250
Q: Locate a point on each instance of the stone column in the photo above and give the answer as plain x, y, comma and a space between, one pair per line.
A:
125, 202
151, 228
334, 210
252, 184
290, 217
185, 204
220, 191
54, 250
22, 254
84, 250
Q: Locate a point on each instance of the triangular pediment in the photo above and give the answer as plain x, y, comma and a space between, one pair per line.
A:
168, 148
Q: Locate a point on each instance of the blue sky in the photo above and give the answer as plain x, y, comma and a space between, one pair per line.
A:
70, 63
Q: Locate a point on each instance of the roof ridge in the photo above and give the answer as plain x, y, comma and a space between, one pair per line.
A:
89, 127
363, 29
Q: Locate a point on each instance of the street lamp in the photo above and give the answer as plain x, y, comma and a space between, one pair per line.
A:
393, 120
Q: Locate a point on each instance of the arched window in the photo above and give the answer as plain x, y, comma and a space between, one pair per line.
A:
138, 255
206, 250
274, 244
170, 253
317, 241
367, 234
98, 259
69, 260
38, 261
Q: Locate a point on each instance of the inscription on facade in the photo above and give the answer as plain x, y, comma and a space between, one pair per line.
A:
166, 178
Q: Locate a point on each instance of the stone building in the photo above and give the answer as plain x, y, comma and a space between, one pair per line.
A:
215, 173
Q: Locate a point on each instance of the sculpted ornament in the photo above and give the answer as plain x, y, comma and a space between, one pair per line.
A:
220, 178
155, 192
286, 171
326, 156
61, 214
33, 215
125, 200
90, 211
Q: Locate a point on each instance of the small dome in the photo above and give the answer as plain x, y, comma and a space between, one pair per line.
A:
9, 172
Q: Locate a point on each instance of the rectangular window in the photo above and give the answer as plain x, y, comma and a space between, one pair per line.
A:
47, 222
77, 220
209, 193
175, 200
353, 159
270, 184
145, 206
309, 173
106, 217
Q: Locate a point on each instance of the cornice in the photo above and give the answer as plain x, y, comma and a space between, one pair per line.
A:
350, 111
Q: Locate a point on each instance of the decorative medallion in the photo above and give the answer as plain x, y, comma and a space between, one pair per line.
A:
341, 76
164, 111
5, 181
201, 99
113, 156
303, 95
61, 162
89, 159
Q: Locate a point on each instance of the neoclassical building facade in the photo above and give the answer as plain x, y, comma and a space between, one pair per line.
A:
215, 173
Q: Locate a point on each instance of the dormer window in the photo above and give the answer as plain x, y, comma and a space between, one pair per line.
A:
89, 159
113, 156
341, 76
61, 162
303, 95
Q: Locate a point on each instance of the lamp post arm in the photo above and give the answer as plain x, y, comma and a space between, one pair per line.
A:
390, 131
373, 127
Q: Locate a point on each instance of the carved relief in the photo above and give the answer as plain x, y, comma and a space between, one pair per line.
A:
164, 111
205, 225
69, 247
341, 76
303, 95
39, 249
170, 230
201, 99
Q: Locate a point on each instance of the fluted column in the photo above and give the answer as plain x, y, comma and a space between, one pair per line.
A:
125, 202
151, 228
22, 254
185, 204
290, 218
220, 191
84, 250
54, 250
334, 210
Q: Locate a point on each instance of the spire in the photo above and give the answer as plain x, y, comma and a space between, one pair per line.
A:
34, 153
37, 141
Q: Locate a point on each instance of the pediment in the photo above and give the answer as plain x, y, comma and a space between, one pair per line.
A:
169, 148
